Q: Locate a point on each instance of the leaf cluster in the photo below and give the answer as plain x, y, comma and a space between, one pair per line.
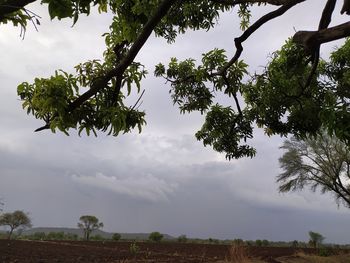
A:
321, 162
193, 88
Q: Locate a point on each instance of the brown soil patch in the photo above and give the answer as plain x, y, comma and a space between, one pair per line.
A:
17, 251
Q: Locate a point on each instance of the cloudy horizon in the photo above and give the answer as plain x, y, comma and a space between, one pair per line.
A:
162, 179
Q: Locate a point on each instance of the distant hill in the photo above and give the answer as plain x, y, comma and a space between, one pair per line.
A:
79, 232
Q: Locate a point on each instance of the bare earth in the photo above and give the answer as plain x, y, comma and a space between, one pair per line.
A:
16, 251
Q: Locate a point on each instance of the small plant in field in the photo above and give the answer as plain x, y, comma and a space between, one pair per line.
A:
134, 248
324, 252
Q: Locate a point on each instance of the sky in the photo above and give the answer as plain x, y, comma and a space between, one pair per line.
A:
163, 179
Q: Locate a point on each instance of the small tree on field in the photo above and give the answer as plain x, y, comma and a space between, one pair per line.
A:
315, 239
265, 243
155, 237
258, 243
16, 220
88, 224
116, 237
182, 239
295, 243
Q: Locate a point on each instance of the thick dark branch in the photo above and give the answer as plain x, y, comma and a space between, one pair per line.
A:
238, 41
311, 39
346, 7
10, 6
102, 82
237, 2
325, 20
326, 17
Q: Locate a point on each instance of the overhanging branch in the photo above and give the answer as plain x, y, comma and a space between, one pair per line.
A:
264, 19
8, 7
311, 39
102, 82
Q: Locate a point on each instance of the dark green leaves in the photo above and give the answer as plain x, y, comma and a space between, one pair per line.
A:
59, 8
224, 130
194, 89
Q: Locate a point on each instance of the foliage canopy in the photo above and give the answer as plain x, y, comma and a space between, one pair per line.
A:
316, 239
88, 224
17, 219
298, 93
319, 162
155, 236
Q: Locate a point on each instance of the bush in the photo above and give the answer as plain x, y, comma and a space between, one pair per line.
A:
258, 243
155, 237
182, 239
116, 237
134, 248
97, 238
38, 236
295, 243
265, 243
55, 236
324, 252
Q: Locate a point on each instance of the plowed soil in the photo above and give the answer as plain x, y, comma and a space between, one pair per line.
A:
17, 251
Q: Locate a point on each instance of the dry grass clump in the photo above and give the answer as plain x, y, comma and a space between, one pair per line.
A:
238, 254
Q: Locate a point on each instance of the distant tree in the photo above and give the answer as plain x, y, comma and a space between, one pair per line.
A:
182, 239
38, 236
89, 223
1, 205
16, 220
265, 243
116, 237
155, 237
316, 239
319, 162
56, 236
258, 243
97, 237
295, 243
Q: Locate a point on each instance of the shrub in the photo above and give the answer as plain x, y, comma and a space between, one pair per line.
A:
134, 248
324, 252
155, 237
182, 239
265, 243
258, 243
116, 237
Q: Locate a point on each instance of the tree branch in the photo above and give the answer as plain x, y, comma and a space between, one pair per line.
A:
311, 39
11, 6
237, 2
102, 82
264, 19
129, 57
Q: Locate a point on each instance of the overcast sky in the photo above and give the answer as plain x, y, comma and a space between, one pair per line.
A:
163, 179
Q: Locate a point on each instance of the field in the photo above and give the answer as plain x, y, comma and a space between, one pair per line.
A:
16, 251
